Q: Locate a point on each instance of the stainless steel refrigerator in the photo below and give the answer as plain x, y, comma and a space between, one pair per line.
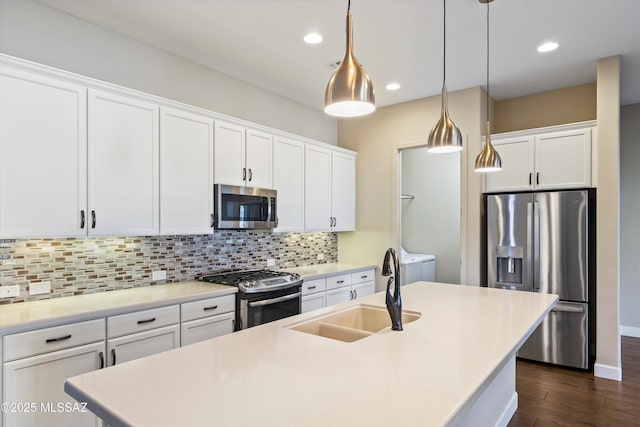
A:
544, 242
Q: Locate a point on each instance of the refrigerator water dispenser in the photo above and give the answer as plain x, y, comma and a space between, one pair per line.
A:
509, 268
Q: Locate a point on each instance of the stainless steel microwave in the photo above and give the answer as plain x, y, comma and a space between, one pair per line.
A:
237, 208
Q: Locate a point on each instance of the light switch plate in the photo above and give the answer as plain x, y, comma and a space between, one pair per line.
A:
9, 291
158, 275
37, 288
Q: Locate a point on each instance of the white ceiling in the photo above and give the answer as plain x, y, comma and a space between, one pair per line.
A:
260, 41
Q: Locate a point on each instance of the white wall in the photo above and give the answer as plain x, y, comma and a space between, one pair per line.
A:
33, 31
629, 223
431, 221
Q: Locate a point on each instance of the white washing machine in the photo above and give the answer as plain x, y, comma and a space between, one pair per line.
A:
417, 267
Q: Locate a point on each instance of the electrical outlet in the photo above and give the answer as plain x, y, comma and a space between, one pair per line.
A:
158, 275
37, 288
271, 262
320, 257
9, 291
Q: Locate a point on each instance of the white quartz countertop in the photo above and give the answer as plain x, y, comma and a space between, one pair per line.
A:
44, 313
317, 271
270, 375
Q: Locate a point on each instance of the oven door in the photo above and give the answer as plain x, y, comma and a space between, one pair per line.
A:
260, 308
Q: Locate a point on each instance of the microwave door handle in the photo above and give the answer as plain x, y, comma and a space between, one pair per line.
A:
274, 300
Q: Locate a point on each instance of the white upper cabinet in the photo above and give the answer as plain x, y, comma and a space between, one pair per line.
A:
230, 154
43, 156
186, 172
343, 191
288, 180
243, 156
563, 159
543, 159
317, 206
123, 165
329, 190
517, 164
259, 163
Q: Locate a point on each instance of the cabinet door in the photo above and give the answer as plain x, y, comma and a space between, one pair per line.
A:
43, 156
313, 302
563, 159
229, 148
363, 289
517, 165
343, 191
40, 379
288, 180
186, 172
123, 166
207, 328
259, 159
336, 296
135, 346
317, 189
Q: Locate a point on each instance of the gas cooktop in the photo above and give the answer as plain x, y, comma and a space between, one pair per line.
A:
251, 281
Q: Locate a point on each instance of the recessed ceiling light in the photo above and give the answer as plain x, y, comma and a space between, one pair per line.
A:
548, 47
392, 86
313, 38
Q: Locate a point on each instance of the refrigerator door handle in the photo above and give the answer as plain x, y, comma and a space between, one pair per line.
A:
529, 259
569, 308
536, 247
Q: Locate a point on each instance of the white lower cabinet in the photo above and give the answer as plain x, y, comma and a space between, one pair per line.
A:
36, 364
135, 346
207, 328
332, 290
142, 333
314, 295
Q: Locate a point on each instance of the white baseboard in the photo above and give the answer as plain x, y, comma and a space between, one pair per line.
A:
509, 411
608, 372
630, 331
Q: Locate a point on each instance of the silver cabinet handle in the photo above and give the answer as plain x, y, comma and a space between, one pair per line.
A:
274, 300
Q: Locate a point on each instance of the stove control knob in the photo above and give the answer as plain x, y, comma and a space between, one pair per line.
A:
252, 284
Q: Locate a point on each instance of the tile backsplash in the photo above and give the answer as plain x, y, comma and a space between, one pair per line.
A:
88, 265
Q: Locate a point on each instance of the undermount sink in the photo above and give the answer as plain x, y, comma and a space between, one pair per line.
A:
352, 323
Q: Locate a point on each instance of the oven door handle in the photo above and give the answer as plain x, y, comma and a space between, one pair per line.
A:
274, 300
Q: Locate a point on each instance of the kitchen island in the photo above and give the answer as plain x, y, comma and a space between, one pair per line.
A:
455, 365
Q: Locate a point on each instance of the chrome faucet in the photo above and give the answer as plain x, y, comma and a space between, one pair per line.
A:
394, 303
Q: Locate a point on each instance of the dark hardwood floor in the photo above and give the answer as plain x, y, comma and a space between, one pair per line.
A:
550, 396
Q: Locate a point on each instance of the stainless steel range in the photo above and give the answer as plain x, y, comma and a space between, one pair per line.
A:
263, 295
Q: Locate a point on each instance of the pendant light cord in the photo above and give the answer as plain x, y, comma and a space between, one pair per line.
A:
444, 50
348, 5
488, 113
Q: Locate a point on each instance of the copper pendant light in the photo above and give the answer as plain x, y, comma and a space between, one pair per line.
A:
350, 91
488, 160
445, 137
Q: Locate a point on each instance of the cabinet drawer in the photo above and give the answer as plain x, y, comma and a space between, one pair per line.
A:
206, 329
142, 320
338, 281
363, 276
313, 286
207, 307
25, 344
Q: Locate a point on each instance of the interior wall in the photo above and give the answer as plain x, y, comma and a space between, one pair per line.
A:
377, 138
607, 159
39, 33
431, 220
555, 107
630, 231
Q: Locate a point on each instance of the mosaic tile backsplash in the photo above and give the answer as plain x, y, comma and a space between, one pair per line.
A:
89, 265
